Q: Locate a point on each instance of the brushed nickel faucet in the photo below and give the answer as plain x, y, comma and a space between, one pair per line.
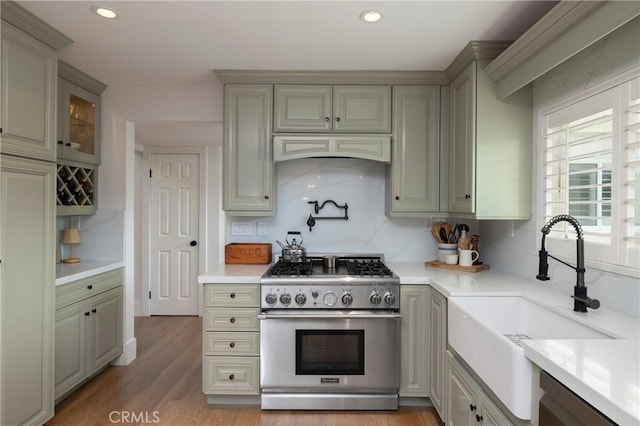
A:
581, 302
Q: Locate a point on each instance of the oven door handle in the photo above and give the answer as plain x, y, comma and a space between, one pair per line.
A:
266, 316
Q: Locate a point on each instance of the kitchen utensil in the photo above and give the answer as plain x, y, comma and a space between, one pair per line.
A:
443, 235
293, 251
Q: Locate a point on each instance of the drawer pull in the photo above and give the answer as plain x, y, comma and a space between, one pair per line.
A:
472, 407
232, 345
86, 314
232, 295
478, 418
94, 310
232, 320
89, 286
231, 377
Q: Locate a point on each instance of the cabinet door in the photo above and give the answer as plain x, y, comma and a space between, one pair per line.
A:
491, 414
71, 343
248, 178
27, 274
463, 142
415, 162
438, 347
106, 328
78, 123
302, 108
362, 109
28, 93
462, 404
414, 330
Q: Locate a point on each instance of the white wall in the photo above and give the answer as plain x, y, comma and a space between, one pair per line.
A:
613, 55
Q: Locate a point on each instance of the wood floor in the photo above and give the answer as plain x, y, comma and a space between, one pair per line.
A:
163, 386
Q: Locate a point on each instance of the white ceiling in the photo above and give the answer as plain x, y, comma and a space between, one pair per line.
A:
178, 43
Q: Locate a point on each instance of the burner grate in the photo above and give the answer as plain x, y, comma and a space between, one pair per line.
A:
371, 268
281, 268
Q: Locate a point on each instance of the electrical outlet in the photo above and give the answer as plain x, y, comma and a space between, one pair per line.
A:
243, 228
263, 228
428, 222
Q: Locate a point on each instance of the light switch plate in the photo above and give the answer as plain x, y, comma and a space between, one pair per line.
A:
243, 228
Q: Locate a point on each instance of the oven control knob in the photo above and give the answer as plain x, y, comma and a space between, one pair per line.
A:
347, 299
301, 299
271, 299
375, 299
315, 294
389, 298
285, 298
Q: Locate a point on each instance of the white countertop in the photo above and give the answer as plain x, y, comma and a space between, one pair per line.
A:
69, 272
606, 373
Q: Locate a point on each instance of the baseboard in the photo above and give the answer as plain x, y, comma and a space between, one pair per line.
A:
413, 401
129, 353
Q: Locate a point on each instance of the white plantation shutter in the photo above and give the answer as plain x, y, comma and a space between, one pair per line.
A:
590, 169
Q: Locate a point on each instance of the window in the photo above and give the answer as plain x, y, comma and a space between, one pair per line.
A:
590, 170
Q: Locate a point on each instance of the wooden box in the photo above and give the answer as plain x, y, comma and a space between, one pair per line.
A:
247, 253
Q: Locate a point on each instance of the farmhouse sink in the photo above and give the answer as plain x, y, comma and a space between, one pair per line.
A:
487, 333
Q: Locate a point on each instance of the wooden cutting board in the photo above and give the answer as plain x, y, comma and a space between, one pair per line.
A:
441, 265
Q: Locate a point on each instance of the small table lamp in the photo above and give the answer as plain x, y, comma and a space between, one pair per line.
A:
71, 236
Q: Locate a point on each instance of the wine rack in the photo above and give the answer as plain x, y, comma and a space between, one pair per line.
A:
76, 189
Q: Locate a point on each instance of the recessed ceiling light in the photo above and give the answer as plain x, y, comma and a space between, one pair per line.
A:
371, 16
105, 12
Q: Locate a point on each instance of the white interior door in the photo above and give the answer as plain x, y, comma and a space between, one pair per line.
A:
173, 232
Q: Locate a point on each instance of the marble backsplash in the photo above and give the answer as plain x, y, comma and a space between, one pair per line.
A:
360, 184
101, 236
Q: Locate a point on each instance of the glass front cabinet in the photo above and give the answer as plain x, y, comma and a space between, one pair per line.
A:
78, 140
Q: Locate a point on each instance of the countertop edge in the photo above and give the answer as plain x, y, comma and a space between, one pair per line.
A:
66, 273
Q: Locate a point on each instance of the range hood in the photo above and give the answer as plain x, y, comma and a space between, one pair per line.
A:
368, 147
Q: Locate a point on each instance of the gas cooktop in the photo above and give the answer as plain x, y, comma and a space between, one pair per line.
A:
365, 266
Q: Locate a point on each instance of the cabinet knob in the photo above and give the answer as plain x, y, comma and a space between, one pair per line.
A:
89, 286
94, 310
86, 314
68, 144
60, 142
467, 196
478, 418
397, 198
232, 345
232, 320
232, 295
193, 243
231, 377
266, 197
472, 407
337, 118
0, 129
327, 119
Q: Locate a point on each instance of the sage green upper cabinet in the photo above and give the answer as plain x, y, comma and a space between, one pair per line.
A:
248, 178
78, 115
326, 108
490, 149
413, 185
28, 92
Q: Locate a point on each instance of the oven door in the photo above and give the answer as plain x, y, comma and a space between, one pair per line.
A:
332, 351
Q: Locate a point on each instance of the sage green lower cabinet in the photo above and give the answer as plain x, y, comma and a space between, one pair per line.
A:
27, 276
438, 352
88, 328
467, 403
231, 341
414, 338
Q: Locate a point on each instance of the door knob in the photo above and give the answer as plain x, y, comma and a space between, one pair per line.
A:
193, 243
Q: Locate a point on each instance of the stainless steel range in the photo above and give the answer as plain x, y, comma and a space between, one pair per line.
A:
330, 334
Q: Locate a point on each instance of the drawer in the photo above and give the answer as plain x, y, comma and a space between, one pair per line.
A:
231, 375
228, 319
232, 295
232, 344
67, 294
